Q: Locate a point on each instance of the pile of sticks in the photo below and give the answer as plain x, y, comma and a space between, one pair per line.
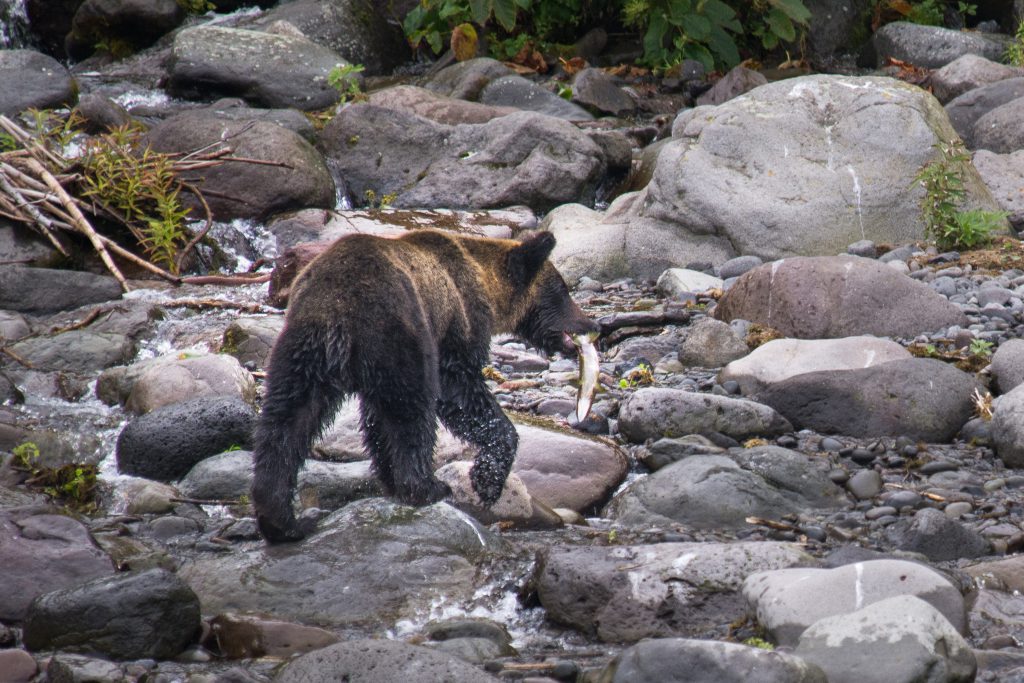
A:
34, 184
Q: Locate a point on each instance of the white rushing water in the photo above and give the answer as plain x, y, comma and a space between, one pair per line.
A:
14, 31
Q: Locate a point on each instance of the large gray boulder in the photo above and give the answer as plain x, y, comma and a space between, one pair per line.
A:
296, 178
379, 660
668, 589
436, 107
1008, 427
1004, 175
132, 24
268, 70
523, 158
899, 640
652, 413
968, 72
921, 398
519, 93
680, 660
127, 616
795, 167
1007, 368
787, 601
30, 79
364, 32
780, 359
713, 492
371, 564
43, 290
42, 553
999, 130
932, 46
965, 110
837, 296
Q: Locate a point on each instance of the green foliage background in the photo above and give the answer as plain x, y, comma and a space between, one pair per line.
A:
710, 31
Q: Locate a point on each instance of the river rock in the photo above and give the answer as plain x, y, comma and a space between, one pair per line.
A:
245, 636
787, 601
565, 470
124, 25
145, 386
237, 109
680, 660
325, 485
837, 296
433, 106
932, 46
493, 164
167, 442
29, 79
625, 593
18, 666
19, 245
43, 290
251, 339
298, 177
965, 110
388, 562
1004, 175
678, 282
519, 93
128, 616
1008, 427
739, 80
75, 351
778, 147
595, 90
711, 343
1006, 575
937, 537
379, 660
655, 412
101, 114
268, 70
897, 640
714, 492
780, 359
997, 131
361, 31
921, 398
43, 552
465, 80
968, 72
1007, 368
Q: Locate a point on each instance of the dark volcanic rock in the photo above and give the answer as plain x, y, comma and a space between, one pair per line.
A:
166, 443
128, 616
32, 79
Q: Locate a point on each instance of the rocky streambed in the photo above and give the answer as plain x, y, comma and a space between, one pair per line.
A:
795, 470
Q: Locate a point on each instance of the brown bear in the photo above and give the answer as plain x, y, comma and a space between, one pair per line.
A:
406, 324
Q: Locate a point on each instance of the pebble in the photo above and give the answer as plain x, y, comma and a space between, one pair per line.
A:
958, 509
902, 499
936, 466
830, 444
862, 456
880, 511
865, 484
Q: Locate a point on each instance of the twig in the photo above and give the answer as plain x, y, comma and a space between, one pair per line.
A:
80, 221
226, 279
201, 501
42, 222
199, 235
84, 322
141, 262
12, 354
201, 304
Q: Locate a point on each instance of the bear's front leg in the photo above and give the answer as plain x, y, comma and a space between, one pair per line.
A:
469, 410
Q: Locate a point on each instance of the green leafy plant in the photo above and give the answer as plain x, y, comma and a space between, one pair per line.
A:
980, 347
143, 187
343, 79
197, 6
927, 12
75, 483
1015, 50
944, 194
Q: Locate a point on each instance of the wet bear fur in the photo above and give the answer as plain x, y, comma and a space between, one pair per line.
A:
405, 324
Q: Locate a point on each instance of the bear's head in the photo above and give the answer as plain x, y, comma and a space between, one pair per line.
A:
549, 318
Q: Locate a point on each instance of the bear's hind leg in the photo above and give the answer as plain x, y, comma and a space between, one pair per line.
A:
469, 410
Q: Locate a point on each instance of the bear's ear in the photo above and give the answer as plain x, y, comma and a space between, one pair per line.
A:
526, 258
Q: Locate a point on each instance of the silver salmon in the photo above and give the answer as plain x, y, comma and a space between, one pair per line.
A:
590, 369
